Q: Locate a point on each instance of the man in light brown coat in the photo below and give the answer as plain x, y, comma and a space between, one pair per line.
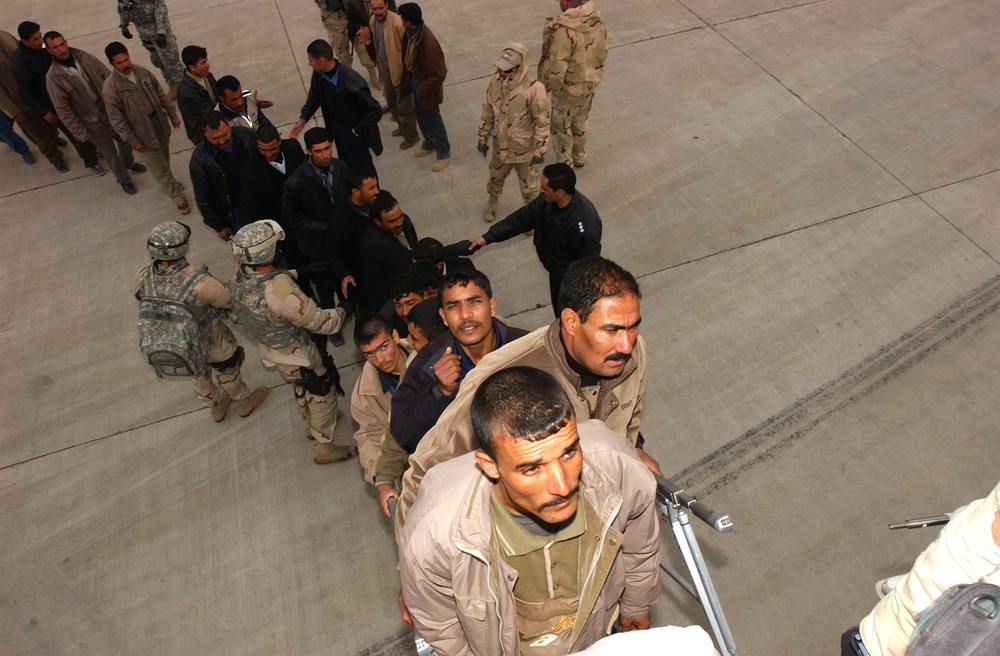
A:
141, 115
387, 36
74, 82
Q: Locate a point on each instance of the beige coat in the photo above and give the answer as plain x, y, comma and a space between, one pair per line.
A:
370, 408
574, 48
126, 111
619, 403
516, 114
10, 99
393, 45
446, 562
81, 114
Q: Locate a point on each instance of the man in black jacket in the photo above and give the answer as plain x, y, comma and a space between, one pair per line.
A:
566, 224
196, 94
263, 184
216, 168
30, 63
350, 112
386, 249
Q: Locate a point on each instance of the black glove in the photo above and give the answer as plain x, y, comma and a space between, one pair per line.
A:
311, 270
537, 160
160, 40
125, 32
483, 149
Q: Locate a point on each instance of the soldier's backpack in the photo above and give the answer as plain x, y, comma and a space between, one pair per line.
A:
170, 335
964, 621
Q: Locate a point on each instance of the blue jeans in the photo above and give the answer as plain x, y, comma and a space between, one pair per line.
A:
11, 138
431, 124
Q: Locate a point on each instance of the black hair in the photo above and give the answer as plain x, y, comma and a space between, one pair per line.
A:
404, 284
213, 118
591, 279
114, 49
315, 136
382, 204
426, 317
463, 278
371, 327
51, 35
427, 273
191, 55
268, 133
226, 83
411, 12
356, 177
518, 403
320, 49
429, 250
560, 176
27, 29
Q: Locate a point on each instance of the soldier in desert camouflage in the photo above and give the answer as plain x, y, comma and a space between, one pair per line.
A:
574, 47
170, 277
273, 311
150, 20
516, 115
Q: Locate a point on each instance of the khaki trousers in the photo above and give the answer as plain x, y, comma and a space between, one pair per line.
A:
318, 412
157, 160
400, 106
527, 175
569, 127
222, 348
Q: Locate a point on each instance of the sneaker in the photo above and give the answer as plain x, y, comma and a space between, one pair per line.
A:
61, 142
184, 208
245, 406
129, 188
440, 164
137, 167
28, 157
61, 166
337, 339
327, 452
408, 143
97, 170
219, 407
420, 152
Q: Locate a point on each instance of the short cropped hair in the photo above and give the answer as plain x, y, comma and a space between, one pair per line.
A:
320, 49
429, 250
411, 12
591, 279
404, 284
267, 133
520, 403
382, 204
52, 34
462, 278
191, 55
427, 273
27, 29
213, 118
560, 176
425, 316
315, 136
356, 177
114, 49
226, 83
371, 327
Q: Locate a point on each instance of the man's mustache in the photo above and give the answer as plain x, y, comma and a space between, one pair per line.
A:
558, 501
618, 357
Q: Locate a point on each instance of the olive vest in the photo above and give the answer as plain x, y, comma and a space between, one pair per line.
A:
250, 311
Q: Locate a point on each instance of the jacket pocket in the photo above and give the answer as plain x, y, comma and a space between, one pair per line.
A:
478, 619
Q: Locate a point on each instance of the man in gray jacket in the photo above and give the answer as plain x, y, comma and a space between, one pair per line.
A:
74, 82
550, 528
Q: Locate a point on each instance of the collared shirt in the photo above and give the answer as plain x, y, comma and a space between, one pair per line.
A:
332, 76
326, 177
466, 362
280, 164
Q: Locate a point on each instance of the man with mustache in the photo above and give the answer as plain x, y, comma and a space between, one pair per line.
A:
593, 349
550, 528
433, 378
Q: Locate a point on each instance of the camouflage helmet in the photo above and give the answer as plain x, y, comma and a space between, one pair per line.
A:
256, 243
169, 241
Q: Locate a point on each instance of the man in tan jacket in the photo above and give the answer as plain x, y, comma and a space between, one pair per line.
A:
141, 115
75, 82
539, 541
387, 37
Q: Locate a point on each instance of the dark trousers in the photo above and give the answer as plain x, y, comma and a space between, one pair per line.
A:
42, 134
86, 150
351, 149
11, 138
431, 124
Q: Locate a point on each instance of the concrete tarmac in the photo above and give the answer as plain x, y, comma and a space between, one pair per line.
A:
807, 193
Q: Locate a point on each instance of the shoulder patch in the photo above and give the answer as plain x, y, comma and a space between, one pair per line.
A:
282, 286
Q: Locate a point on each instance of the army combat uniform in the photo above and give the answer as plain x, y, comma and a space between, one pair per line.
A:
273, 311
574, 47
150, 19
335, 21
516, 115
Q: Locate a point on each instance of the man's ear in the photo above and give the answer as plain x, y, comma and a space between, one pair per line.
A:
570, 321
487, 464
493, 307
395, 335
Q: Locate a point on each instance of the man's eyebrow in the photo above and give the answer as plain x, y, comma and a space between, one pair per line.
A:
571, 447
618, 326
529, 465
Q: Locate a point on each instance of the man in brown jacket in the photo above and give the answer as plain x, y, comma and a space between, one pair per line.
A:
74, 82
141, 115
11, 105
424, 71
387, 37
593, 349
540, 540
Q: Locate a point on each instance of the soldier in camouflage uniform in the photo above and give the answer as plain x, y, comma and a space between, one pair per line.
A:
150, 19
271, 309
516, 115
335, 19
169, 276
574, 47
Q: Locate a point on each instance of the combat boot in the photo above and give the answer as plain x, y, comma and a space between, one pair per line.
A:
327, 452
245, 406
219, 406
490, 213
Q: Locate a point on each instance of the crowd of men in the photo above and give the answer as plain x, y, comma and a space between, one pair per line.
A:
535, 433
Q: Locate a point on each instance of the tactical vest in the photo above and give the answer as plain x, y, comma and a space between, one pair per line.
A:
250, 311
140, 12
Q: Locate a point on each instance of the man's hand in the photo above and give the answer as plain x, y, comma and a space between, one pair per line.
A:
263, 104
364, 35
225, 234
448, 371
647, 460
138, 147
176, 122
483, 148
635, 623
386, 492
20, 117
50, 118
125, 32
294, 132
476, 243
403, 610
348, 280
